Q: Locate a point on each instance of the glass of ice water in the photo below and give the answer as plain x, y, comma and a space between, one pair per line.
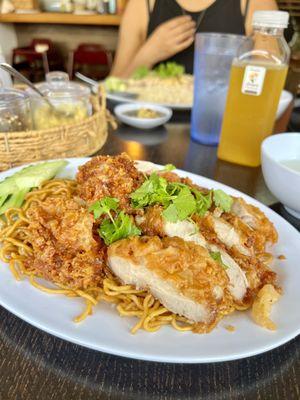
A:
214, 53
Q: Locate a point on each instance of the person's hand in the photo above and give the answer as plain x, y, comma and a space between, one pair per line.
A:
170, 38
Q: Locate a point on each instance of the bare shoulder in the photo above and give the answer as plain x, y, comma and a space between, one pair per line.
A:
136, 15
137, 10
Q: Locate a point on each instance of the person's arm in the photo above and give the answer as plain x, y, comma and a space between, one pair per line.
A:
255, 5
132, 35
134, 50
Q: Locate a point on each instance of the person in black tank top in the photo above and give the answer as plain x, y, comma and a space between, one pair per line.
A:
155, 31
211, 19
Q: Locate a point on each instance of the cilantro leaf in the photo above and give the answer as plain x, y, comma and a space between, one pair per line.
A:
179, 200
203, 202
185, 203
104, 206
113, 228
169, 69
182, 207
120, 228
152, 191
222, 200
114, 84
169, 167
171, 213
216, 255
140, 72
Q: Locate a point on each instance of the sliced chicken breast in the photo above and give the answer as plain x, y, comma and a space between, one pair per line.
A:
188, 231
238, 283
182, 275
255, 219
228, 235
146, 167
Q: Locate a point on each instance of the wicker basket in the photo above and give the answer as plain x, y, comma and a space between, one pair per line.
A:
77, 140
25, 4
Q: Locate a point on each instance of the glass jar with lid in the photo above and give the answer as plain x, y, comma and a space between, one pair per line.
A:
15, 111
71, 99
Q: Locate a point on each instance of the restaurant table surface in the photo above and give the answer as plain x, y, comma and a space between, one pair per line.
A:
36, 365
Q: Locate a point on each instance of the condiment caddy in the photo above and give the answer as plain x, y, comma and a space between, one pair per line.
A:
31, 131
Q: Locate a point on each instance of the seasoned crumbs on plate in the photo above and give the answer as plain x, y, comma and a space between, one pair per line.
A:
230, 328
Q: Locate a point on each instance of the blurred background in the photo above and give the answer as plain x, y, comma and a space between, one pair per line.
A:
81, 35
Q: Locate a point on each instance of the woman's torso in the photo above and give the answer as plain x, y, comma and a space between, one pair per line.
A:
222, 16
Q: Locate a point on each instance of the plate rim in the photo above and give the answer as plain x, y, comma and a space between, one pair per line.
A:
121, 100
181, 107
135, 355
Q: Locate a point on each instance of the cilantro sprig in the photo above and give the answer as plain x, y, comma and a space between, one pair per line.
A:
216, 255
169, 167
119, 228
169, 69
182, 205
154, 190
163, 70
104, 206
222, 200
117, 225
178, 200
203, 202
140, 72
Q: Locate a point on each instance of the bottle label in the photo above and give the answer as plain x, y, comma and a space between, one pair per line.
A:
253, 81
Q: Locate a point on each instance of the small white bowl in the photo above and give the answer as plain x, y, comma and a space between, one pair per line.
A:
282, 181
142, 123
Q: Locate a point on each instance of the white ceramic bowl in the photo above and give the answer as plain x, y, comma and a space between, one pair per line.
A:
284, 101
282, 181
142, 123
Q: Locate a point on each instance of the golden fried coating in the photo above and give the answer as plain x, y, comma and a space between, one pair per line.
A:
152, 222
109, 176
261, 308
182, 275
257, 272
65, 251
254, 218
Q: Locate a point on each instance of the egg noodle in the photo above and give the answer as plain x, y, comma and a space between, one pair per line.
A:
130, 302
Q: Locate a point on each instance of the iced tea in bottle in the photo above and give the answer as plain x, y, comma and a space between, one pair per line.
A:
257, 78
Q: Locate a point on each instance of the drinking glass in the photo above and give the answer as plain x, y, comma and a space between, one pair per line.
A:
214, 53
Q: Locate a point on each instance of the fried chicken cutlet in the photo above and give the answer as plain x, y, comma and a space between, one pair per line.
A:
152, 223
65, 251
181, 274
109, 176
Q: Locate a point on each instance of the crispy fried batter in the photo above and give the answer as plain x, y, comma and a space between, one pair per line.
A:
65, 252
255, 219
254, 238
261, 309
151, 222
257, 272
109, 176
174, 270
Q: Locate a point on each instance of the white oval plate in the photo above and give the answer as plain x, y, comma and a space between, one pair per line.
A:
123, 99
285, 99
106, 331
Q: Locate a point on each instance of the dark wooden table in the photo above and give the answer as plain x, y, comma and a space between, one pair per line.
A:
37, 366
